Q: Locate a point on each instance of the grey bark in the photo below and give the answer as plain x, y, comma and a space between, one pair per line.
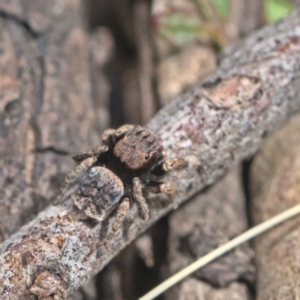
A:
214, 126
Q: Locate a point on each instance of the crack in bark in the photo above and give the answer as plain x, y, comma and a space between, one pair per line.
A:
34, 34
52, 149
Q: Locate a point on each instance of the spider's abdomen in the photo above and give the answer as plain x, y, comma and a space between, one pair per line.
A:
99, 193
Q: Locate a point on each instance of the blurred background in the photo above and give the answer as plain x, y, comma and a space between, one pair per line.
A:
154, 41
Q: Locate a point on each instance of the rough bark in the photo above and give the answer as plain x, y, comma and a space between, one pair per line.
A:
46, 92
210, 220
214, 126
47, 76
274, 187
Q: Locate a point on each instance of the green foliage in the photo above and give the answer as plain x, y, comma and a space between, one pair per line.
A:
222, 7
180, 28
277, 9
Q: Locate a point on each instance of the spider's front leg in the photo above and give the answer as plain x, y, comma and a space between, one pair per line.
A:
137, 194
121, 214
95, 152
160, 187
85, 164
175, 163
111, 136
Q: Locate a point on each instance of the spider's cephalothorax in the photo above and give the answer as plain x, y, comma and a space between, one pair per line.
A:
127, 163
134, 154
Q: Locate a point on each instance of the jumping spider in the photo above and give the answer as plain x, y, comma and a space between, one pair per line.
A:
119, 171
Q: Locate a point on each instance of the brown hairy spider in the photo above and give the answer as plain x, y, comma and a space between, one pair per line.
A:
127, 163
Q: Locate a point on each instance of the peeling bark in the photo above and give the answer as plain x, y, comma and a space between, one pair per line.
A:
214, 126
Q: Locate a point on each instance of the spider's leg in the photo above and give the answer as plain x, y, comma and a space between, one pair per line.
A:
108, 137
111, 136
121, 131
160, 187
97, 151
175, 163
121, 213
83, 166
137, 194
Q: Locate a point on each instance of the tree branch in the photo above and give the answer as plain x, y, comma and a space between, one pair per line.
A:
214, 126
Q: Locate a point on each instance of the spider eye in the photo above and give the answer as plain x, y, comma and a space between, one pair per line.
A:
147, 156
